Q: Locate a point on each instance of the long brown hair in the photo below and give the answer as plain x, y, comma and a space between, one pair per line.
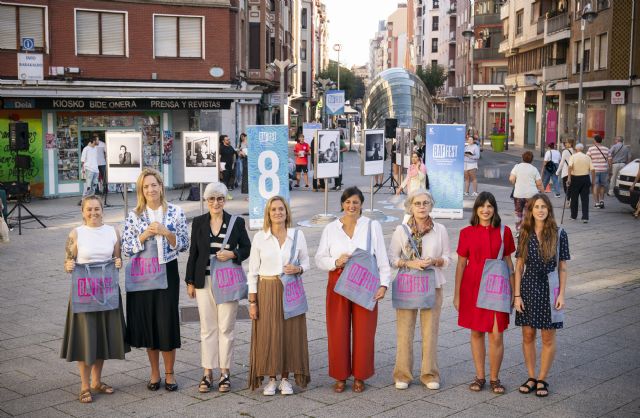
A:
549, 237
141, 206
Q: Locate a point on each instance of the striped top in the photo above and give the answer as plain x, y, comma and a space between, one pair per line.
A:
598, 154
215, 245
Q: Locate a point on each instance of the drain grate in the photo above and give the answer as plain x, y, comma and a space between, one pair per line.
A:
190, 313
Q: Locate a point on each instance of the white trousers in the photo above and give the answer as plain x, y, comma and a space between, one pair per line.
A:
217, 328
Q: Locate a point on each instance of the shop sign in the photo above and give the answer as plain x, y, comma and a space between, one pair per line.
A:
617, 97
116, 104
595, 95
497, 105
19, 104
30, 67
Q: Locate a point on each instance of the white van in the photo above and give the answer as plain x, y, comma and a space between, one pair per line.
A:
623, 184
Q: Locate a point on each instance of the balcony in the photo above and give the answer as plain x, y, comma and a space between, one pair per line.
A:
487, 54
452, 65
557, 27
452, 37
452, 9
554, 72
487, 19
540, 25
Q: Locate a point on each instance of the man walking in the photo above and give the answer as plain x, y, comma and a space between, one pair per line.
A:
90, 171
580, 166
619, 156
599, 157
227, 156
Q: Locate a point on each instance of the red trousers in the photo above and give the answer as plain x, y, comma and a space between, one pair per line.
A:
349, 356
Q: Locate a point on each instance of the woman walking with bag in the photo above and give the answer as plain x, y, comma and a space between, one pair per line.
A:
278, 345
90, 338
479, 243
526, 182
158, 229
420, 245
346, 320
218, 235
541, 279
563, 167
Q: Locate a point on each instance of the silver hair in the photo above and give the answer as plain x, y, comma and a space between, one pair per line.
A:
579, 145
408, 202
620, 138
215, 189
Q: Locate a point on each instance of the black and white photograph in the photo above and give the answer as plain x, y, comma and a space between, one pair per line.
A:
373, 156
124, 151
200, 156
328, 153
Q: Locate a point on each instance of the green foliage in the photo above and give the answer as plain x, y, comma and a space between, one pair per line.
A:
433, 77
353, 86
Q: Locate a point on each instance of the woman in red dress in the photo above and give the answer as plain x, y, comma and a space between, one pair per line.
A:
477, 243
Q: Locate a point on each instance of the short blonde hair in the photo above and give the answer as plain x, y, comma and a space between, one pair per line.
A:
141, 206
266, 226
408, 202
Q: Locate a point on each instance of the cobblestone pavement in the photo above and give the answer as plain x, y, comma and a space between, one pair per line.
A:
596, 371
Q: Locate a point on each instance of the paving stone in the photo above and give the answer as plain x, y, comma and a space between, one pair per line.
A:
417, 408
36, 402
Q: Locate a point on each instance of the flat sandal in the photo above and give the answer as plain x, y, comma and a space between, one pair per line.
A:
477, 385
496, 387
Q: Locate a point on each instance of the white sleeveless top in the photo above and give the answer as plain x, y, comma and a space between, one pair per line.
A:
95, 244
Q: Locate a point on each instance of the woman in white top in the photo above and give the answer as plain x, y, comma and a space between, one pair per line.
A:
432, 242
526, 182
416, 175
278, 345
471, 157
563, 167
345, 319
549, 167
91, 338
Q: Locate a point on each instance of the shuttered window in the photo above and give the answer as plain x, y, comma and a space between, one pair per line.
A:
100, 33
17, 22
177, 36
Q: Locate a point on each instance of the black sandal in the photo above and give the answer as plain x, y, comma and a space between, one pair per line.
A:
153, 386
543, 391
171, 387
224, 385
205, 384
477, 384
525, 388
496, 387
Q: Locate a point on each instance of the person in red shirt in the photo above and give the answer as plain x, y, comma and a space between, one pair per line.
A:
301, 152
477, 243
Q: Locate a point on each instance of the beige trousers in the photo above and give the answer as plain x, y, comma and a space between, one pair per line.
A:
405, 329
217, 325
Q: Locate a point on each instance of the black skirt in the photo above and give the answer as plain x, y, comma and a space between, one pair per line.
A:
153, 320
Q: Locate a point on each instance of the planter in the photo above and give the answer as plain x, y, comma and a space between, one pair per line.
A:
497, 142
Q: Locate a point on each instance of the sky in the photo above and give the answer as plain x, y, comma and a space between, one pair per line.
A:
353, 23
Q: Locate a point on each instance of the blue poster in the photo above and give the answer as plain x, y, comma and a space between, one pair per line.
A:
335, 102
444, 158
268, 168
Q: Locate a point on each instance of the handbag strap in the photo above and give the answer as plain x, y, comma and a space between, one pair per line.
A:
103, 266
501, 252
293, 246
227, 234
566, 161
560, 230
602, 153
411, 240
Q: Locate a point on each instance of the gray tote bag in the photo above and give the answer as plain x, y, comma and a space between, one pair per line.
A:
495, 287
294, 299
228, 281
557, 315
413, 289
144, 271
360, 278
94, 287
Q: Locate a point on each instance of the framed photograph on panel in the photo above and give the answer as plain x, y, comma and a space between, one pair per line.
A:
327, 154
373, 156
200, 156
124, 156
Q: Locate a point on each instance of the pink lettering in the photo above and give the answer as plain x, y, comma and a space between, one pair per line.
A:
94, 286
556, 292
408, 283
141, 266
293, 291
361, 277
497, 284
228, 277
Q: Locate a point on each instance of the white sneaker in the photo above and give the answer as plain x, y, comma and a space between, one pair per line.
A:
433, 385
474, 194
402, 385
270, 389
466, 194
285, 387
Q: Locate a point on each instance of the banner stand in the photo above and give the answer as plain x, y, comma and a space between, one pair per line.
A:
372, 213
324, 218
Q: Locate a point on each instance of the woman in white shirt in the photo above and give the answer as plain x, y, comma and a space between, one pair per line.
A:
278, 345
339, 240
526, 182
563, 166
471, 157
432, 242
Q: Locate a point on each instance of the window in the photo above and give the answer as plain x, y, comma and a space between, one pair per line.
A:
434, 23
100, 33
519, 21
303, 83
436, 4
498, 76
303, 18
18, 22
254, 45
177, 36
586, 55
303, 50
434, 63
603, 4
505, 28
602, 52
434, 45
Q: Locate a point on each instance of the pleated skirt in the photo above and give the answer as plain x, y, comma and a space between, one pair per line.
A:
277, 345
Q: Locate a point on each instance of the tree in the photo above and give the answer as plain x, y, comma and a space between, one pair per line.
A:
353, 86
433, 76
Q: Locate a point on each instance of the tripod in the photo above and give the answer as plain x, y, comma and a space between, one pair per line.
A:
20, 201
393, 183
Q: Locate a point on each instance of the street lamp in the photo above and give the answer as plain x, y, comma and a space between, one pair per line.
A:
469, 35
588, 16
508, 90
543, 85
337, 48
284, 67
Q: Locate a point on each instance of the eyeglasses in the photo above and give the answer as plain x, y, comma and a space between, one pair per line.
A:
422, 204
219, 199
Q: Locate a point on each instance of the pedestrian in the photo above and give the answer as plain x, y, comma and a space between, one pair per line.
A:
477, 243
346, 319
563, 167
102, 162
301, 152
579, 182
343, 149
395, 165
432, 242
526, 182
600, 160
471, 156
90, 338
241, 157
153, 319
278, 345
542, 249
619, 156
227, 156
550, 164
90, 171
416, 175
243, 154
209, 233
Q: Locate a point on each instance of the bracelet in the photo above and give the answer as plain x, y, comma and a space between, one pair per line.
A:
253, 302
516, 296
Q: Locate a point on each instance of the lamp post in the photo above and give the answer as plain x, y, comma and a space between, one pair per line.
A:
469, 35
507, 90
284, 67
337, 48
588, 16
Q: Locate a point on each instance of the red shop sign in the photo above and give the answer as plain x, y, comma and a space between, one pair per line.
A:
497, 105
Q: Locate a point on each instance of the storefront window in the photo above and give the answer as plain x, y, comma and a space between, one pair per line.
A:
68, 149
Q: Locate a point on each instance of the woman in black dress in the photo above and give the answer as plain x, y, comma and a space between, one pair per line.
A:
540, 241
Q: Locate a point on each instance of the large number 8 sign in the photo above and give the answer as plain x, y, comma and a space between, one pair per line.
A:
268, 173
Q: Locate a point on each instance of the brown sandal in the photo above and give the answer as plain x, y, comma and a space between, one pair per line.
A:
85, 396
339, 386
358, 386
477, 385
496, 387
103, 388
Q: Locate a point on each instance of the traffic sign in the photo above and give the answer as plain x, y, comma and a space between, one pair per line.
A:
28, 44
